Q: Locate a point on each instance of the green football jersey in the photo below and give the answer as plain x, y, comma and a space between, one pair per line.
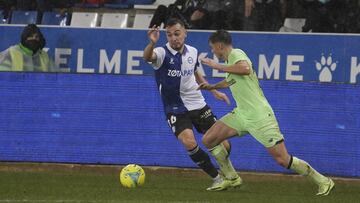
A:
249, 97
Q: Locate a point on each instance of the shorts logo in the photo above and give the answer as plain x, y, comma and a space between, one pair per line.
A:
206, 114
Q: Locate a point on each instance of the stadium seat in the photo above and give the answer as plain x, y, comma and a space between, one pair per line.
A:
24, 17
142, 21
55, 18
83, 19
114, 20
293, 25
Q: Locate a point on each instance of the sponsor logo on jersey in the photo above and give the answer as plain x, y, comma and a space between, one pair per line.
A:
179, 73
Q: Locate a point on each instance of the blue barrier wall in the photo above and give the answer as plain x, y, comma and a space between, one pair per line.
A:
118, 119
293, 57
113, 118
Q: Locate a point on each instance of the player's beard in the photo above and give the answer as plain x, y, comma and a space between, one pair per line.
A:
177, 46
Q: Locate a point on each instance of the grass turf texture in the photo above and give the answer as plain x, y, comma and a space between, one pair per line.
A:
49, 183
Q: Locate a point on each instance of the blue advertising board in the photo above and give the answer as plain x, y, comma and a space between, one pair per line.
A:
293, 57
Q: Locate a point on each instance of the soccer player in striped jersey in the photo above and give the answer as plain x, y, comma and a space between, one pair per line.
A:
175, 65
253, 114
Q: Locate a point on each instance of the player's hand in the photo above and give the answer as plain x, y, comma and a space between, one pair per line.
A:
209, 62
205, 86
154, 34
221, 96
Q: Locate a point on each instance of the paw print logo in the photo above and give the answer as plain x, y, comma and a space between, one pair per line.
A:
326, 66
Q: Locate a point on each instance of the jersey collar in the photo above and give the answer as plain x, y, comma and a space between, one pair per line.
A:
174, 52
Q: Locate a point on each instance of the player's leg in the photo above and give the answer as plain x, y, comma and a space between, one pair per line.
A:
198, 155
267, 132
203, 120
280, 154
217, 134
182, 127
213, 140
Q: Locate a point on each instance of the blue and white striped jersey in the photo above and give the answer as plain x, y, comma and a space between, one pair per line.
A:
174, 73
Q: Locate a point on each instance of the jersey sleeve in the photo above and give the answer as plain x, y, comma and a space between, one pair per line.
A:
236, 56
239, 55
197, 64
160, 56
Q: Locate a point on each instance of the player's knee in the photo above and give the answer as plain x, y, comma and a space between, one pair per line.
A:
208, 141
187, 138
205, 141
189, 143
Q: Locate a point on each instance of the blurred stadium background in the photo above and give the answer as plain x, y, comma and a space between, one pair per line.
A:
104, 109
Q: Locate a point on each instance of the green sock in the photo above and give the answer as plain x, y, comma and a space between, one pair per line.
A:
303, 168
221, 156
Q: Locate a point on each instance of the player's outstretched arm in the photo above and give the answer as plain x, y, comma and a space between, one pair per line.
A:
239, 68
153, 35
220, 85
217, 94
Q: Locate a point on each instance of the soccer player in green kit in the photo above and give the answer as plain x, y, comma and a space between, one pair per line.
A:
252, 115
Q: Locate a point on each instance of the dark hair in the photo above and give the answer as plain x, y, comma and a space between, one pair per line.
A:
174, 21
28, 31
221, 36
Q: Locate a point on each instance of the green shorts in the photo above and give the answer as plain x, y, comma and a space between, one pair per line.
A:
265, 130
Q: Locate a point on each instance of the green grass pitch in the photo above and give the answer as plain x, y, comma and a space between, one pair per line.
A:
54, 183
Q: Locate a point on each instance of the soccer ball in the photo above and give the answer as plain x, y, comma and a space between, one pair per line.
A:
132, 176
